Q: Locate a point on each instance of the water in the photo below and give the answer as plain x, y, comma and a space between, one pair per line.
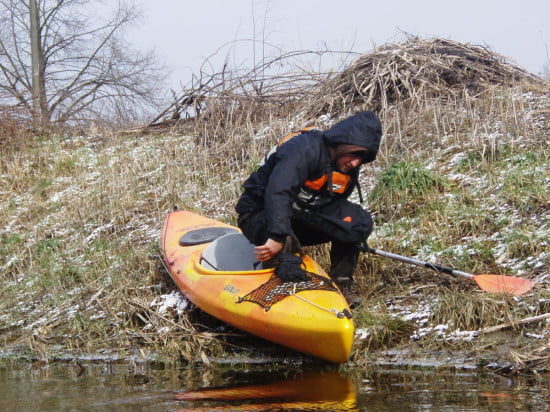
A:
136, 387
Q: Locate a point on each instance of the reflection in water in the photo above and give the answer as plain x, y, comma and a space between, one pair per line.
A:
308, 392
144, 387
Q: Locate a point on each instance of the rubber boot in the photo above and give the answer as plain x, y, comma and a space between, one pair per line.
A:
345, 284
343, 259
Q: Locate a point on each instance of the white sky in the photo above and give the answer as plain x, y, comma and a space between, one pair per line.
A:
185, 32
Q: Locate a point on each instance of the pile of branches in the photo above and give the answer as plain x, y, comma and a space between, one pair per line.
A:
266, 88
415, 69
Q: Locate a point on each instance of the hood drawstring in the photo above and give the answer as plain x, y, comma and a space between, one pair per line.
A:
361, 200
359, 191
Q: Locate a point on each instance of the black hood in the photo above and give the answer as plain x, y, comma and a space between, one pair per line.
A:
362, 129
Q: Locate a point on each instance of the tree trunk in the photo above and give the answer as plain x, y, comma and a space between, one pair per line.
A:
39, 102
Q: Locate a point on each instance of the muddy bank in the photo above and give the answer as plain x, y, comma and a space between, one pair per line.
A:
509, 350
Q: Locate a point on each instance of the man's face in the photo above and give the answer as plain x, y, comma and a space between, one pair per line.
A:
348, 161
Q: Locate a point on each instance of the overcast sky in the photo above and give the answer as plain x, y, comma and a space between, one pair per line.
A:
184, 33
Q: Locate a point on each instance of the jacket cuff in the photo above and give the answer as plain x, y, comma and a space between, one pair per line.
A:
277, 237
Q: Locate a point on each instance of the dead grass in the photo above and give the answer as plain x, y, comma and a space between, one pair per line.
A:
378, 329
471, 311
81, 215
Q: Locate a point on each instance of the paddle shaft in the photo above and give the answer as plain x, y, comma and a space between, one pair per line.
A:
427, 265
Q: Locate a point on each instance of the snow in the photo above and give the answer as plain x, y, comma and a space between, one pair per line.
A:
172, 302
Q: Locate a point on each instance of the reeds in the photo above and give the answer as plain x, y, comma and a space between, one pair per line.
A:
461, 179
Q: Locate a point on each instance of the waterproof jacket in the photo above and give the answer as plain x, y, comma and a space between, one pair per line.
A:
277, 183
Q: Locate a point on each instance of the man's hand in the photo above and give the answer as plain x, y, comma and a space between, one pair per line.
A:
268, 250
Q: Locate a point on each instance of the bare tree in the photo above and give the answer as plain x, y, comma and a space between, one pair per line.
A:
546, 66
61, 65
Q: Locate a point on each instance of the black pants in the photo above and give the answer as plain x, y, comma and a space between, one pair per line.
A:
346, 225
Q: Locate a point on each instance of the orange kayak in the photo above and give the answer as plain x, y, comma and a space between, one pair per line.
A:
213, 265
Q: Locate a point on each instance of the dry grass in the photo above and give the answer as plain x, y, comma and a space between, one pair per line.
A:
378, 328
80, 216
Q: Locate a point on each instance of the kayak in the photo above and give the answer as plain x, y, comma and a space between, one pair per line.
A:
214, 266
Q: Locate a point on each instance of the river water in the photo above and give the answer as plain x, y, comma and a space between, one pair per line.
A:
142, 387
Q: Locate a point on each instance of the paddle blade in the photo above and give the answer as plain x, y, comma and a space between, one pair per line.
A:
503, 284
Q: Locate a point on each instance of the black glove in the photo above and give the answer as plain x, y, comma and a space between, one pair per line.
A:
290, 268
363, 246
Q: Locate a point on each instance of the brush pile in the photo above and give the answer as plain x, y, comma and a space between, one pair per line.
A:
415, 69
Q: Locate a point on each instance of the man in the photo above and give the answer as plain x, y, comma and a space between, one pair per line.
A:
299, 193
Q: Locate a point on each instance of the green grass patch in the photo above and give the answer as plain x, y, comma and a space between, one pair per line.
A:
41, 187
65, 165
524, 181
471, 256
521, 243
403, 187
10, 242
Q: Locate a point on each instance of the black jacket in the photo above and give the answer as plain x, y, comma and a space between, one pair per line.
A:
277, 182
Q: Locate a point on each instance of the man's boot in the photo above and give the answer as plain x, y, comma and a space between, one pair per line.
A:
345, 284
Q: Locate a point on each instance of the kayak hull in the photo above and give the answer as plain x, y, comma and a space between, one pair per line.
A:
312, 318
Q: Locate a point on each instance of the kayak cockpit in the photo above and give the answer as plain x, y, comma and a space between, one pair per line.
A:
231, 252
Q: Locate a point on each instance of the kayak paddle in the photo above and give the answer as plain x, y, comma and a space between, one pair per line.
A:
489, 283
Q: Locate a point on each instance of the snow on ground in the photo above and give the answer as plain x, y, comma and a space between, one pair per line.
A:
173, 302
90, 157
